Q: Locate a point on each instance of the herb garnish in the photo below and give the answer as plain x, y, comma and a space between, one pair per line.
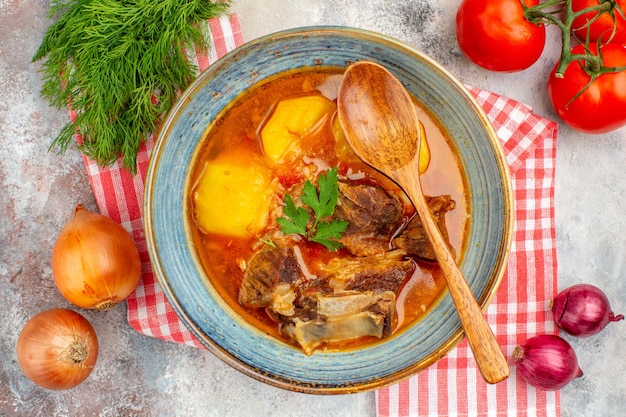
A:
323, 205
121, 66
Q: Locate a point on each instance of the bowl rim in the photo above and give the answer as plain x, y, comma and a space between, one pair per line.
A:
229, 358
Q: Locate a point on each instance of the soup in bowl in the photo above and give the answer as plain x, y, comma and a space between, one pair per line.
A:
289, 257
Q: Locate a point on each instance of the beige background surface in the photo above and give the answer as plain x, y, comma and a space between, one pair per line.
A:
141, 376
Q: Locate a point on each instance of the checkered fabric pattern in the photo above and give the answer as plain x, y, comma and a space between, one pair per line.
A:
453, 386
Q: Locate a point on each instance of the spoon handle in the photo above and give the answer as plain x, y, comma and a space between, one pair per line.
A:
489, 357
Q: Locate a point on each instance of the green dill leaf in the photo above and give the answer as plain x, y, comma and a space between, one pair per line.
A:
268, 241
296, 220
120, 66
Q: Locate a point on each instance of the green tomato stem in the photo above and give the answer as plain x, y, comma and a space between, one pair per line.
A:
549, 13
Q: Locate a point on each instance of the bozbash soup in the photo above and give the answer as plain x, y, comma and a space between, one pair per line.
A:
304, 240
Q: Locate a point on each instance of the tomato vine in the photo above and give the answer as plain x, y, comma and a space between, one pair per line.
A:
561, 14
587, 86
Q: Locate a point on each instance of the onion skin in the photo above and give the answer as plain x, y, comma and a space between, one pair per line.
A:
582, 310
546, 362
57, 349
95, 262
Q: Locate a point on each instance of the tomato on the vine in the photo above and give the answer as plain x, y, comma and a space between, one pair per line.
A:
606, 24
600, 106
495, 34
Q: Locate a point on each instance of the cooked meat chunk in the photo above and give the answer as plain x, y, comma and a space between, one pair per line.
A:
382, 272
343, 317
373, 215
350, 296
413, 239
268, 268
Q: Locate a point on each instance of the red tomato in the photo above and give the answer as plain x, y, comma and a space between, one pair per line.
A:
603, 26
495, 34
289, 180
601, 107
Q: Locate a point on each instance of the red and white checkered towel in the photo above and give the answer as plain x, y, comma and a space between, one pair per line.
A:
453, 386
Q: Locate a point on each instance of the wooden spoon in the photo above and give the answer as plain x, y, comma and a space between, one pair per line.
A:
379, 120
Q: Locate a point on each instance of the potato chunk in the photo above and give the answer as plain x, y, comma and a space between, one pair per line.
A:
232, 196
293, 119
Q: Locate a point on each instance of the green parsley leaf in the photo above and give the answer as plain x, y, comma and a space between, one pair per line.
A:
327, 233
323, 205
296, 220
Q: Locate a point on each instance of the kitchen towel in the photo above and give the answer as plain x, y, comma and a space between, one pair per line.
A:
453, 386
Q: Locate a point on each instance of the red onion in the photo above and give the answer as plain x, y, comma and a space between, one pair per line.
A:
582, 310
546, 362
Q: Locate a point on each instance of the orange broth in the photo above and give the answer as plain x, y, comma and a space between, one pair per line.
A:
223, 257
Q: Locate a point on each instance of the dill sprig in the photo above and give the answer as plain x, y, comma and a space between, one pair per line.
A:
121, 66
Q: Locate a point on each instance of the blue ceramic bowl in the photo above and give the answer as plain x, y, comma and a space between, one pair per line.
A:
221, 329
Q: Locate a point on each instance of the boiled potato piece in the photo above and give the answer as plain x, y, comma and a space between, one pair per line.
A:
292, 119
424, 151
342, 148
232, 196
344, 151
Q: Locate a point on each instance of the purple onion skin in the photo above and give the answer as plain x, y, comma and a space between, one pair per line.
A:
582, 310
546, 362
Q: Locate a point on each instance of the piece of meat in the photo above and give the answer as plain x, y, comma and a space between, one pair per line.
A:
349, 297
373, 216
268, 268
349, 300
413, 239
343, 317
383, 272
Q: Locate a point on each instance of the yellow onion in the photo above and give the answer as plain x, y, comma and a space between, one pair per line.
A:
57, 349
95, 262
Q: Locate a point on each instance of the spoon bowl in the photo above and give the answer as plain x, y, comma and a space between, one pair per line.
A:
381, 126
368, 91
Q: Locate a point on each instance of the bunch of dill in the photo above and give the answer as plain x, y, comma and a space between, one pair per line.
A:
120, 64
